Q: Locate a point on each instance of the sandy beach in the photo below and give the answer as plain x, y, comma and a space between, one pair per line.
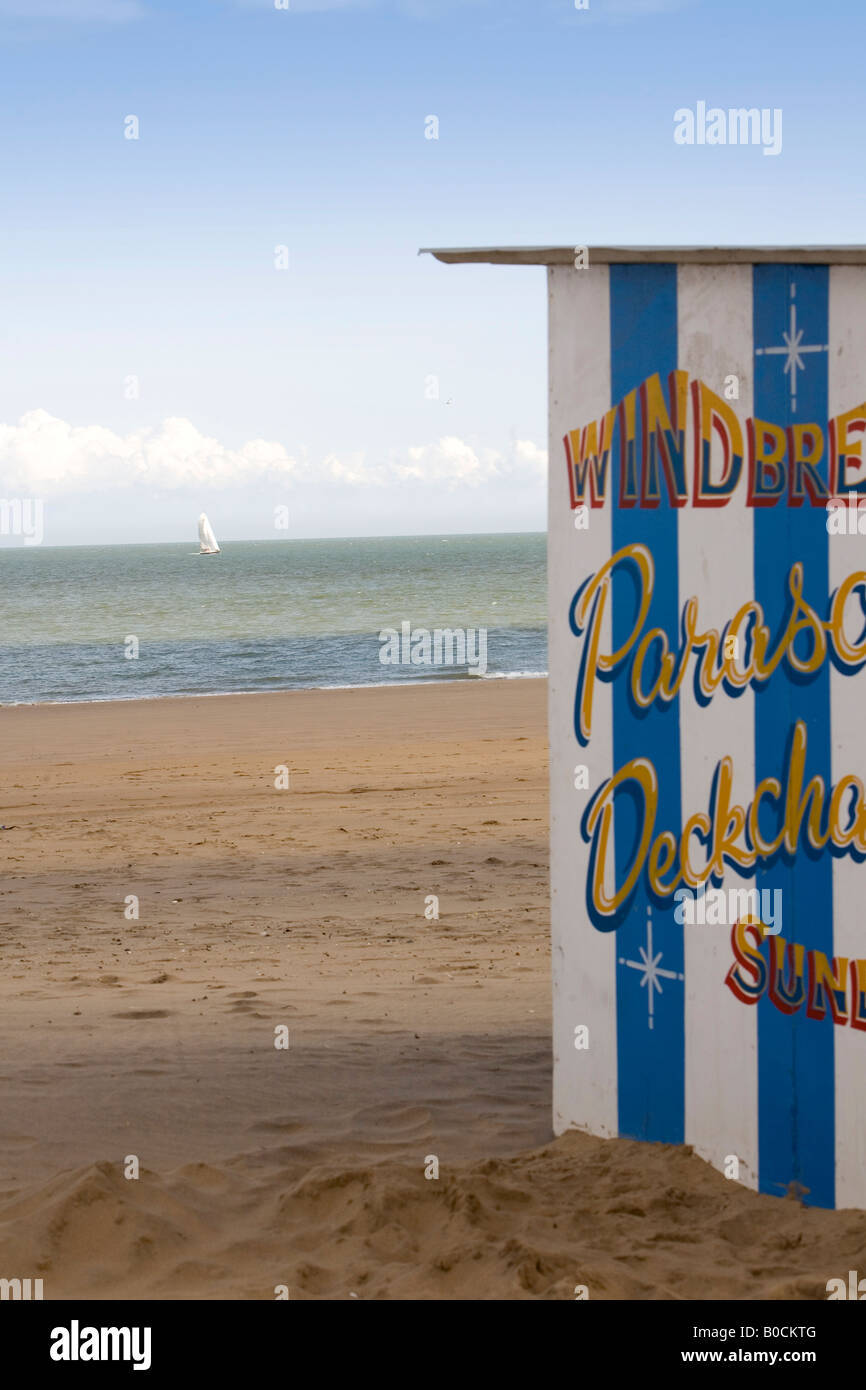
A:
410, 1037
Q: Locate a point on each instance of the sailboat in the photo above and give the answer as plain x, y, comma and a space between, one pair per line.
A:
207, 541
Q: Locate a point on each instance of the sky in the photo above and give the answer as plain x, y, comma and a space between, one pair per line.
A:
229, 313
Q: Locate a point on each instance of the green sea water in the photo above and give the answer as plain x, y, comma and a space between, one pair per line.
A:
261, 615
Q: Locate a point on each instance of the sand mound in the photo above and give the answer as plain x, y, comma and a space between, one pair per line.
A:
626, 1220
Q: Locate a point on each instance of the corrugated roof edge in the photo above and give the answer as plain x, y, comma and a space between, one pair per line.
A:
611, 255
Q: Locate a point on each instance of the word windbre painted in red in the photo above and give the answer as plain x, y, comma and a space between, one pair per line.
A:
805, 462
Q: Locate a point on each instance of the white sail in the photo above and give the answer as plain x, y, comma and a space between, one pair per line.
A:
207, 541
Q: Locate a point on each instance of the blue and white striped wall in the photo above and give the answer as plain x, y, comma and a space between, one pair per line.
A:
786, 1094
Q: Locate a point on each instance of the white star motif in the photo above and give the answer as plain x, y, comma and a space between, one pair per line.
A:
650, 969
793, 350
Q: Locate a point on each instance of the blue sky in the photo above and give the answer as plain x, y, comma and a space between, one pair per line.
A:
310, 387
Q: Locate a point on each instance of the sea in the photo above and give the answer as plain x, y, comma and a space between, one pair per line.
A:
130, 622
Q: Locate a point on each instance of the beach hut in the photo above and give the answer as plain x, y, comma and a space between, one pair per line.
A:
707, 636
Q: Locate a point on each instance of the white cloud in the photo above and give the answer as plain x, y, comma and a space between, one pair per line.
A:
454, 462
43, 456
531, 457
46, 456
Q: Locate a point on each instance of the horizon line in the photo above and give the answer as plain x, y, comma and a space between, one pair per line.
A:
266, 540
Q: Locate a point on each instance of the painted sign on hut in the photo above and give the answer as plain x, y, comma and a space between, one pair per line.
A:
707, 638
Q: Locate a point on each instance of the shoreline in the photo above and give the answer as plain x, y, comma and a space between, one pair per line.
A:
288, 690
